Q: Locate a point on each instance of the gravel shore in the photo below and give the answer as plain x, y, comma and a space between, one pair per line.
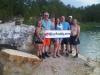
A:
49, 66
63, 66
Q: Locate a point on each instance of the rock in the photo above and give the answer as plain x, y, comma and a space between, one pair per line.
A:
13, 62
18, 57
19, 36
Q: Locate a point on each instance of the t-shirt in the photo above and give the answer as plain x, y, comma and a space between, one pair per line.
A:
66, 26
52, 26
59, 27
46, 24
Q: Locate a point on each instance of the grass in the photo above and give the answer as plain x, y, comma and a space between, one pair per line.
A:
88, 26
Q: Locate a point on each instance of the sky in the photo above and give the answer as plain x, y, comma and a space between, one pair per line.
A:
79, 3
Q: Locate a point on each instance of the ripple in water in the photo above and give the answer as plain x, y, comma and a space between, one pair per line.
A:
90, 44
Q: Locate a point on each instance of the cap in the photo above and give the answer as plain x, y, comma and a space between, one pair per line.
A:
70, 17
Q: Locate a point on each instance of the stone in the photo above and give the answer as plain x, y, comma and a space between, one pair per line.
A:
18, 57
19, 36
14, 62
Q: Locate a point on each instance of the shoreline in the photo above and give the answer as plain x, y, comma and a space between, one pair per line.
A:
54, 66
92, 63
88, 62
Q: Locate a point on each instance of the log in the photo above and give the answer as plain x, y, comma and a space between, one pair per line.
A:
18, 57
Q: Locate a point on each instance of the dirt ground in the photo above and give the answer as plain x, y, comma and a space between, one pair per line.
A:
49, 66
62, 66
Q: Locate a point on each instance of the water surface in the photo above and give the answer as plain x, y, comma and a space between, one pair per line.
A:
90, 44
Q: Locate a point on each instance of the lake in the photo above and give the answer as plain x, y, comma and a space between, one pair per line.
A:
90, 43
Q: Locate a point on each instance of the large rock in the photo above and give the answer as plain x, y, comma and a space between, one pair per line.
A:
18, 57
19, 36
13, 62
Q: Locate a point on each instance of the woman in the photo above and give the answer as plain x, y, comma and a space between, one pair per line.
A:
75, 33
39, 39
57, 41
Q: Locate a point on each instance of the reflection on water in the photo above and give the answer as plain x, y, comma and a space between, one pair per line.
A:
90, 44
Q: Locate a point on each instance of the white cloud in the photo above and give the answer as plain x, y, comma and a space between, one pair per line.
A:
88, 2
78, 3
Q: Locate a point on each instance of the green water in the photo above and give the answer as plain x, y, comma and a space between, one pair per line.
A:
90, 43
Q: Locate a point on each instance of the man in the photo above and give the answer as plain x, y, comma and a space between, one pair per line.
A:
70, 18
46, 23
75, 33
66, 41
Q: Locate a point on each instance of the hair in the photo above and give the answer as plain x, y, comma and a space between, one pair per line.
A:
56, 22
76, 20
46, 13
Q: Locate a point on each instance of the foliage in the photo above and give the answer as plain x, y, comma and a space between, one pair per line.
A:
33, 8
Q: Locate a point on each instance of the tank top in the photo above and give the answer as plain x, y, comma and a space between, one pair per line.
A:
41, 34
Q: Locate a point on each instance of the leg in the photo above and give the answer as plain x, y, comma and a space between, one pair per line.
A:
70, 49
39, 51
77, 50
67, 53
62, 47
37, 47
58, 50
55, 49
43, 50
46, 51
47, 47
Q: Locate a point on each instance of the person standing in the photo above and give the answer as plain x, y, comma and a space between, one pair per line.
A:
51, 48
57, 41
38, 38
46, 23
70, 18
65, 41
75, 33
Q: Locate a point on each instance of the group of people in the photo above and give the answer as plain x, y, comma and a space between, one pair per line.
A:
44, 45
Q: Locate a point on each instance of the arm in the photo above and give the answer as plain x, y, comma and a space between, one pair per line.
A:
69, 27
78, 31
37, 33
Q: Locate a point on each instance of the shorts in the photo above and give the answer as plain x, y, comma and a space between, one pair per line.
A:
46, 41
52, 40
73, 40
65, 41
58, 39
38, 42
